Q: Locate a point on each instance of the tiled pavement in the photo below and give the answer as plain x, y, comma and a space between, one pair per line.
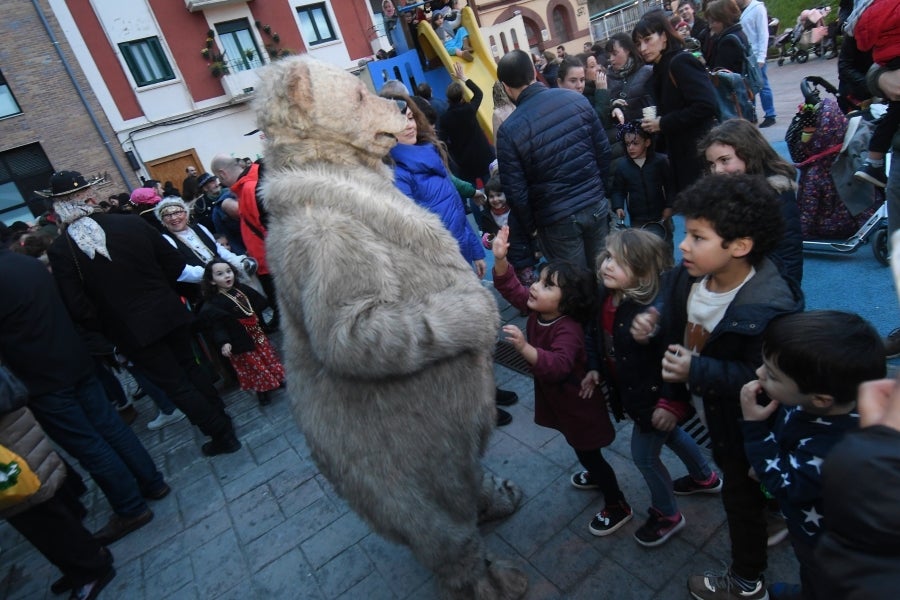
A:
263, 523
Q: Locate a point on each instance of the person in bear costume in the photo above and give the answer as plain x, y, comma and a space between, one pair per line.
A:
388, 334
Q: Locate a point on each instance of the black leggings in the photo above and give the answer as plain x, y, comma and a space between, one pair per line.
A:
601, 473
885, 129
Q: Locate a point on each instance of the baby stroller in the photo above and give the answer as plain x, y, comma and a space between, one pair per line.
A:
809, 34
836, 215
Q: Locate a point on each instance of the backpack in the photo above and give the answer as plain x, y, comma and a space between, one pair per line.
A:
734, 97
751, 70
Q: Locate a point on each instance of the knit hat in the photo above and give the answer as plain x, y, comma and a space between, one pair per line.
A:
168, 202
144, 196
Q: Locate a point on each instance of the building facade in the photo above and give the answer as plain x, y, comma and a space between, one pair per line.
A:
548, 23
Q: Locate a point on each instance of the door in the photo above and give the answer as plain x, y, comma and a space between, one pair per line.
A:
172, 167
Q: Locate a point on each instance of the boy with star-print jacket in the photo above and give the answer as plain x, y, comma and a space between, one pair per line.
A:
800, 407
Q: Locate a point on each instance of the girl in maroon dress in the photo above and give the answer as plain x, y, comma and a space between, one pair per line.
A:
231, 316
558, 305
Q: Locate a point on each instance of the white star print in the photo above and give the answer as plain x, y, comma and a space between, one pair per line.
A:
772, 465
816, 462
770, 437
794, 463
821, 421
812, 516
803, 442
784, 479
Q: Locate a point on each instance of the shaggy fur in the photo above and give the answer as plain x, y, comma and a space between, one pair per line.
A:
388, 333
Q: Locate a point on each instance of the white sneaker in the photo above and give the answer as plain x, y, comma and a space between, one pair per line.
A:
163, 419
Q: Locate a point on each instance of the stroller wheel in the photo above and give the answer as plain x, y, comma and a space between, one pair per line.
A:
802, 56
880, 246
780, 62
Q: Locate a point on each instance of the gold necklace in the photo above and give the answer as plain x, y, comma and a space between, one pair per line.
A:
237, 298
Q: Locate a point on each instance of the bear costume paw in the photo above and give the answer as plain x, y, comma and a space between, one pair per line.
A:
499, 498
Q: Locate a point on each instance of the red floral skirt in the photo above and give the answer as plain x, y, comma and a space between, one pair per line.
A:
258, 370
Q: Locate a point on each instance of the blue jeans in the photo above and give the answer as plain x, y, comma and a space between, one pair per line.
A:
84, 423
765, 95
153, 391
646, 447
578, 238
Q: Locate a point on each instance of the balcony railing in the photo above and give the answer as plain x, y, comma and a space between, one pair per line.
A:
195, 5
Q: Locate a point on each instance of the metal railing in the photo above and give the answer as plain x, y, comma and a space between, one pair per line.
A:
620, 18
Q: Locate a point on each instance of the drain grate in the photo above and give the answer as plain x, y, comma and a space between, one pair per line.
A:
507, 356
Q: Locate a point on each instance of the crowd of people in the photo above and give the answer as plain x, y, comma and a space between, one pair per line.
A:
623, 133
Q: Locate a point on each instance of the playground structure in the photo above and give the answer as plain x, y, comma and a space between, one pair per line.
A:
488, 46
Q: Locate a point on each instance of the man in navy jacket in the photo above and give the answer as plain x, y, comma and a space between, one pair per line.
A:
554, 159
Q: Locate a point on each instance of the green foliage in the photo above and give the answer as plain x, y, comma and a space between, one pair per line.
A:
787, 11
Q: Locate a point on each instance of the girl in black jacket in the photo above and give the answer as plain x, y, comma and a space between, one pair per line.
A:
230, 314
630, 270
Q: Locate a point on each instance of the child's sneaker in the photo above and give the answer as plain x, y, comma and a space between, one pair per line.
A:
687, 485
724, 586
610, 519
658, 528
582, 480
872, 174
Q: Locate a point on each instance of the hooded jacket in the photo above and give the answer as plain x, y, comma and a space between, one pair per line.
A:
421, 175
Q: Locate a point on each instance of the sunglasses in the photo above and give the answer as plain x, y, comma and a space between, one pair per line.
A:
401, 105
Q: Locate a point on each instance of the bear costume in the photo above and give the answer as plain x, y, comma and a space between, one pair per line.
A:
388, 334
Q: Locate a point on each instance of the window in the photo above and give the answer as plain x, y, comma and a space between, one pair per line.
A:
146, 61
315, 24
8, 104
241, 51
22, 171
561, 29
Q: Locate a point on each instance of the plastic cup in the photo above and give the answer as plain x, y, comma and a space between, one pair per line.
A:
649, 112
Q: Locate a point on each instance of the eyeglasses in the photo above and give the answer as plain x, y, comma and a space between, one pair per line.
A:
401, 105
173, 213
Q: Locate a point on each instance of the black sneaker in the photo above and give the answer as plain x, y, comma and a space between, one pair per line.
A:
687, 485
503, 418
658, 529
505, 397
722, 586
767, 122
582, 481
610, 519
892, 344
872, 174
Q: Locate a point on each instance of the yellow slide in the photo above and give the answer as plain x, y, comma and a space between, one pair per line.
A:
482, 71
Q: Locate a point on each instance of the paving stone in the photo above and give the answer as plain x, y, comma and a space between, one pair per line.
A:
277, 541
173, 577
293, 496
565, 559
609, 580
395, 564
514, 460
373, 587
286, 461
268, 448
129, 581
343, 572
204, 530
199, 499
218, 565
333, 539
255, 513
288, 577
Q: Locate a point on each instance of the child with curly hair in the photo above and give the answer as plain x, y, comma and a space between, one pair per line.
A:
715, 308
558, 305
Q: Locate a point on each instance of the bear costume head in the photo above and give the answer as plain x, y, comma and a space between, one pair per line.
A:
311, 111
388, 335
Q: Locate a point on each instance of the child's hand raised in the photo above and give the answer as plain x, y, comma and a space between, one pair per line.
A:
515, 337
676, 364
500, 245
751, 409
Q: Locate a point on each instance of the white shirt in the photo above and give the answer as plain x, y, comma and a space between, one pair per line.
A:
755, 23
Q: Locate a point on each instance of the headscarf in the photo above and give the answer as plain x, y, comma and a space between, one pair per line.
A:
86, 233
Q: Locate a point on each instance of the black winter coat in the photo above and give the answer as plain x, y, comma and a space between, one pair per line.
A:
685, 102
726, 50
648, 190
733, 351
219, 320
554, 156
468, 146
638, 384
131, 299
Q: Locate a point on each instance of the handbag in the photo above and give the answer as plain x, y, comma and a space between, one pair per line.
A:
17, 481
13, 393
734, 97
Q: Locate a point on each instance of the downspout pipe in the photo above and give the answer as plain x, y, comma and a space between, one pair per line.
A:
81, 96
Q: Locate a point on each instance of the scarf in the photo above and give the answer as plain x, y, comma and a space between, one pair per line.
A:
86, 233
858, 9
626, 69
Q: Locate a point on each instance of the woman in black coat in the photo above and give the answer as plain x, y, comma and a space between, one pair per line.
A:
727, 48
685, 98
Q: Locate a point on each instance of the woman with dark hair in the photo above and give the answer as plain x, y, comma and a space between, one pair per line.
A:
727, 46
628, 89
685, 98
551, 68
570, 75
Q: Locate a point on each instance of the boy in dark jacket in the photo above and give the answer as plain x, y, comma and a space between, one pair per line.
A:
642, 180
813, 364
715, 308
